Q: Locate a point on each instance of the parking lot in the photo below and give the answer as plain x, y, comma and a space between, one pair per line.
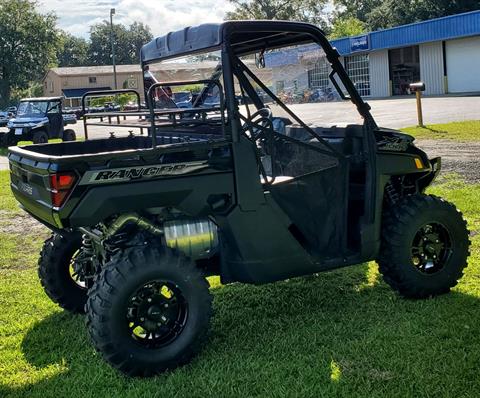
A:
393, 113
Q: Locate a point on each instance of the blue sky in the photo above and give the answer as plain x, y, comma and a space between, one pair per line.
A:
76, 16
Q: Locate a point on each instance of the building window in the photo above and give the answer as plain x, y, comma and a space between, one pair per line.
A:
357, 67
318, 76
51, 86
92, 79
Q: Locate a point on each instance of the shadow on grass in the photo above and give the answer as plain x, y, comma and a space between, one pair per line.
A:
435, 131
430, 129
342, 333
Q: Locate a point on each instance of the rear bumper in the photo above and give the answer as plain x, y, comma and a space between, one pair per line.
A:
42, 212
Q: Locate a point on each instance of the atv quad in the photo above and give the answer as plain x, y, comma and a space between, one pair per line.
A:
245, 190
38, 120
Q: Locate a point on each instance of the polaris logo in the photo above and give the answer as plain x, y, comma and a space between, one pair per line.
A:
136, 173
25, 188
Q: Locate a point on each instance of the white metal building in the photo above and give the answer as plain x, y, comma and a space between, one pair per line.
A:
444, 53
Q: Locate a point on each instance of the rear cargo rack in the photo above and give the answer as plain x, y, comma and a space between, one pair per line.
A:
163, 125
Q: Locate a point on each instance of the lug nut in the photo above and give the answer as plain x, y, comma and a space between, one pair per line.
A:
149, 300
166, 305
142, 319
163, 318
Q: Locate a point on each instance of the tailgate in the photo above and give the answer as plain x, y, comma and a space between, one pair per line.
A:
31, 187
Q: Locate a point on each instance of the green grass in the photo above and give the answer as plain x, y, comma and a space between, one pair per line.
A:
7, 201
460, 131
341, 334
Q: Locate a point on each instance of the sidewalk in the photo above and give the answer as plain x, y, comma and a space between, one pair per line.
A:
3, 163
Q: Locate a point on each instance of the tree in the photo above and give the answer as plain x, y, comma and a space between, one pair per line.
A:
127, 41
393, 13
359, 9
72, 50
381, 14
28, 41
312, 11
344, 27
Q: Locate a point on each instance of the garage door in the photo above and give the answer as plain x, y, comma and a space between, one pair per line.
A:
463, 65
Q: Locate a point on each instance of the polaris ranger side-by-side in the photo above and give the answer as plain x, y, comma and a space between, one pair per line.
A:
242, 189
38, 120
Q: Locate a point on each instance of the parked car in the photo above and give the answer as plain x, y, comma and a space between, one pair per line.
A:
4, 118
12, 110
111, 107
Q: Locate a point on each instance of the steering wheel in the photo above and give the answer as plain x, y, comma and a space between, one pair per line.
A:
257, 123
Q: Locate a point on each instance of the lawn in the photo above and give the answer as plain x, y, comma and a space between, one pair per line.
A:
460, 131
343, 333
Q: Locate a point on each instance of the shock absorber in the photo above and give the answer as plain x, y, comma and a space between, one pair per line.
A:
87, 247
391, 194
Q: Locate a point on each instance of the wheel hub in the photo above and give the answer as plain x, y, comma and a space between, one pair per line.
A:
431, 248
156, 314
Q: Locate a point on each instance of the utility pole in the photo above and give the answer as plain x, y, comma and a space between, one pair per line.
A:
112, 13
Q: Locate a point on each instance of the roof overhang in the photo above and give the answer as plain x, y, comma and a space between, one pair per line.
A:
79, 92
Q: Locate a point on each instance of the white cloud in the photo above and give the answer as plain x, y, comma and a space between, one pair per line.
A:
162, 16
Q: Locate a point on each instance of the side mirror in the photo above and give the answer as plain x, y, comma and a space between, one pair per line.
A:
414, 87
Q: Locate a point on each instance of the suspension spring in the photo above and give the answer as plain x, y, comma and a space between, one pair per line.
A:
87, 246
391, 194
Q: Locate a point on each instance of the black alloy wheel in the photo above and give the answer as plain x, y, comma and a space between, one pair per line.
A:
156, 314
431, 248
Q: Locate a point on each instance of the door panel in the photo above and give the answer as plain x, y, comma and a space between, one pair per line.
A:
463, 64
313, 195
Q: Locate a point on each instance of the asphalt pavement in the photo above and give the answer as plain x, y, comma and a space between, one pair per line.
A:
394, 113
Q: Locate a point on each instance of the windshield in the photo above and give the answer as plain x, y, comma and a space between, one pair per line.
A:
187, 92
32, 109
193, 71
299, 79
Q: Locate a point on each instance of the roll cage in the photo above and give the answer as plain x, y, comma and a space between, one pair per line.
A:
239, 38
234, 39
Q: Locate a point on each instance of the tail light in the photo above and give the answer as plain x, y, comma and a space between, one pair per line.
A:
61, 185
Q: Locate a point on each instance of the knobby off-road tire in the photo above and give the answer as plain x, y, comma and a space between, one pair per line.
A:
425, 246
69, 135
40, 137
127, 315
55, 272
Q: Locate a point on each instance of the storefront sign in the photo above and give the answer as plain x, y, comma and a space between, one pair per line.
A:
360, 43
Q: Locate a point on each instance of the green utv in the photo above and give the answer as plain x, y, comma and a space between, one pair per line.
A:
234, 183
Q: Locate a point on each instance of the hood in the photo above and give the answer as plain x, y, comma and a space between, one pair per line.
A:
24, 120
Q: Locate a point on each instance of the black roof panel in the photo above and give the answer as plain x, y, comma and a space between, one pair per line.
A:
244, 36
190, 39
